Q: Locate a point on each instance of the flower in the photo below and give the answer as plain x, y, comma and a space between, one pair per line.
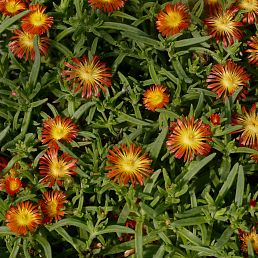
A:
52, 205
222, 26
188, 138
249, 122
23, 44
107, 5
245, 237
12, 185
227, 78
12, 7
251, 10
56, 129
254, 157
155, 97
23, 217
90, 75
54, 168
3, 163
252, 203
215, 119
127, 163
36, 21
212, 5
173, 19
253, 50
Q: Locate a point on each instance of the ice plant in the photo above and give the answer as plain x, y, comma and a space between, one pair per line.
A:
3, 163
23, 217
52, 205
173, 19
22, 44
212, 5
215, 119
225, 79
36, 21
252, 203
107, 5
250, 7
253, 50
188, 138
56, 129
249, 130
246, 237
12, 185
128, 163
155, 97
222, 26
54, 168
12, 7
89, 74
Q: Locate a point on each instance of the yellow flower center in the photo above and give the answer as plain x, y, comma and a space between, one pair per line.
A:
189, 138
58, 168
52, 208
249, 5
251, 125
223, 23
129, 164
12, 7
230, 81
38, 19
212, 1
155, 97
14, 185
88, 73
24, 217
59, 131
173, 19
253, 238
26, 40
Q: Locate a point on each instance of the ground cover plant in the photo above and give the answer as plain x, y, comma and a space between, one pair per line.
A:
128, 128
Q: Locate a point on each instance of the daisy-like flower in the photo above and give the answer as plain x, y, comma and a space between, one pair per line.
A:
253, 50
155, 97
223, 27
12, 185
54, 168
56, 129
173, 19
12, 7
249, 122
226, 79
52, 205
107, 5
23, 217
215, 119
127, 163
90, 75
188, 138
213, 5
22, 45
250, 7
36, 21
246, 237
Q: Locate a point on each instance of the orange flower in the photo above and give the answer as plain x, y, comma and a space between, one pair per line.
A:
188, 138
155, 97
52, 205
128, 164
22, 44
12, 185
215, 119
107, 5
54, 168
23, 217
254, 157
90, 75
56, 129
223, 27
173, 19
12, 7
36, 21
250, 7
253, 57
249, 122
246, 237
226, 79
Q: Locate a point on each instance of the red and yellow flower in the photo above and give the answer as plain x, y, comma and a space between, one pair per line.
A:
3, 163
12, 7
226, 79
215, 119
23, 217
89, 74
107, 5
52, 205
212, 5
249, 130
246, 237
127, 163
223, 27
54, 168
155, 97
188, 138
22, 44
36, 21
253, 50
56, 129
250, 7
173, 19
13, 185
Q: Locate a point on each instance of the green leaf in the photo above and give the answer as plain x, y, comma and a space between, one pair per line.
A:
124, 117
16, 247
38, 103
224, 238
115, 229
82, 109
189, 221
62, 48
4, 231
240, 187
169, 74
160, 253
138, 240
153, 73
203, 251
189, 42
244, 150
4, 132
183, 232
45, 244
